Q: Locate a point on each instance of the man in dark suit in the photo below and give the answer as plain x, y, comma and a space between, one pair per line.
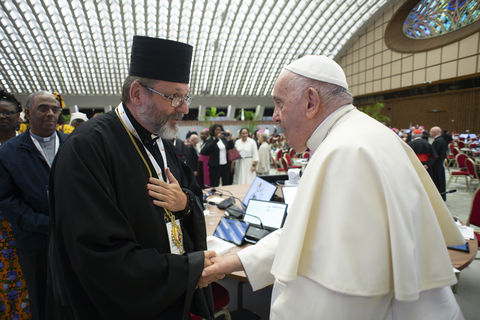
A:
25, 162
437, 171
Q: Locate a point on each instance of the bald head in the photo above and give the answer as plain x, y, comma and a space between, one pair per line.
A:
435, 132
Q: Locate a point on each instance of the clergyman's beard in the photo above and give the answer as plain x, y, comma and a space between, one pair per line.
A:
157, 124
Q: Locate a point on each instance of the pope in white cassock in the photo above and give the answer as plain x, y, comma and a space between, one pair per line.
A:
366, 236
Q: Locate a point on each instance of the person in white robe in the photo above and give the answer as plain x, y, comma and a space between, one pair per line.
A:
245, 168
263, 165
366, 236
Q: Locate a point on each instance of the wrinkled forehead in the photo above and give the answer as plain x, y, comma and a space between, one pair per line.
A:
281, 84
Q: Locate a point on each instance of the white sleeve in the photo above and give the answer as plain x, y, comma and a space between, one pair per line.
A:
257, 260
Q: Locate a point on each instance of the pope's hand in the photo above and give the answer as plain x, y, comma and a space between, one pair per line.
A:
221, 266
167, 195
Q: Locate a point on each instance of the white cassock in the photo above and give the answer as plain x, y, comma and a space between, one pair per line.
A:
366, 235
263, 165
248, 150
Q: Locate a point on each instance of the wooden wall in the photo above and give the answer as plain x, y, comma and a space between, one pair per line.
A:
453, 110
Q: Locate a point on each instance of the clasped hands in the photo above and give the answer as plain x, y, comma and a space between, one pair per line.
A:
216, 267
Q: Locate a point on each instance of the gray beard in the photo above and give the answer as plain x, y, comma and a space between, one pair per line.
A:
159, 127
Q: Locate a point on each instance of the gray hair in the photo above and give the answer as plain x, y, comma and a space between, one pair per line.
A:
264, 136
332, 94
32, 97
128, 83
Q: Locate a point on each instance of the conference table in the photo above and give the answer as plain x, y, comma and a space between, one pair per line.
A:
460, 260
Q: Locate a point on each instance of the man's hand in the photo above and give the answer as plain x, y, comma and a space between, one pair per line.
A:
208, 255
167, 195
221, 266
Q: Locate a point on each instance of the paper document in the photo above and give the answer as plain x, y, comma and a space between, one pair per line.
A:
218, 245
467, 232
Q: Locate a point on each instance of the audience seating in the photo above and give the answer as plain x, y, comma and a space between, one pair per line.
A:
472, 170
474, 217
453, 153
462, 170
221, 299
289, 162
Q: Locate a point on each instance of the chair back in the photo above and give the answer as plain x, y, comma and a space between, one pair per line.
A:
470, 164
461, 144
288, 158
461, 158
473, 145
474, 217
284, 163
279, 154
455, 151
292, 153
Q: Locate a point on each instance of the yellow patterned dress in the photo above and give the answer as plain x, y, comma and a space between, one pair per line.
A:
14, 302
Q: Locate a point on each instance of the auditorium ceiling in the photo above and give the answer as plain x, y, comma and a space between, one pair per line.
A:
83, 47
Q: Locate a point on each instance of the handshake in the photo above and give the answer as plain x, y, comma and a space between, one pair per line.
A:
215, 268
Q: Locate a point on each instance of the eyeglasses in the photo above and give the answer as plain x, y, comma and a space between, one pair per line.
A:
44, 109
175, 100
8, 113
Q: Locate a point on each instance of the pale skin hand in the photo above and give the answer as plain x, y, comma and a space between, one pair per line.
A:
167, 195
221, 265
208, 256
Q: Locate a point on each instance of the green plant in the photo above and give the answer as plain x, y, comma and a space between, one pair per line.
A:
375, 112
211, 114
250, 118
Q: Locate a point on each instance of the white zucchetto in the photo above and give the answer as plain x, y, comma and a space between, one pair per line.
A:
319, 68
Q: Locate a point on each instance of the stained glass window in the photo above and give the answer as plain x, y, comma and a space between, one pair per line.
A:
433, 18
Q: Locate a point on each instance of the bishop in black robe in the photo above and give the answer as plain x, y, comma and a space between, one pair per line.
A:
109, 252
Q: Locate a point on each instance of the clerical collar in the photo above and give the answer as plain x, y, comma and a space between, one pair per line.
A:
43, 139
146, 136
322, 131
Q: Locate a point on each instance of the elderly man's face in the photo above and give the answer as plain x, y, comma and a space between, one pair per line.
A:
287, 113
158, 114
43, 115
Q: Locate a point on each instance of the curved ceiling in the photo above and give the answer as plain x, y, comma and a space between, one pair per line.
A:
83, 47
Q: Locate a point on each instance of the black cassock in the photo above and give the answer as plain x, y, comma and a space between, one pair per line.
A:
109, 252
440, 147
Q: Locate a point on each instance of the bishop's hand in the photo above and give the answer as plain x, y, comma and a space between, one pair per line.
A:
167, 195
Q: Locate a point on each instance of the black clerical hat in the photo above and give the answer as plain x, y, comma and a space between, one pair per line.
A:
160, 59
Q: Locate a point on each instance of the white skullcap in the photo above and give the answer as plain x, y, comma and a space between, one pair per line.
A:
78, 115
319, 68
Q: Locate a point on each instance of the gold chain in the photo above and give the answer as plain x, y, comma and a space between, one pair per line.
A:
176, 230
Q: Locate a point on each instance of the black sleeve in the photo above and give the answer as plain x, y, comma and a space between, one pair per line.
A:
14, 208
96, 245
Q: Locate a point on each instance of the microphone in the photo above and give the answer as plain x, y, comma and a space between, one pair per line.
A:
449, 191
251, 215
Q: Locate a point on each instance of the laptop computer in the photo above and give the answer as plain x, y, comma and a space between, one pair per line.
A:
263, 217
260, 189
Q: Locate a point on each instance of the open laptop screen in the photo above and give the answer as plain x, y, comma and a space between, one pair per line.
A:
259, 190
271, 214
